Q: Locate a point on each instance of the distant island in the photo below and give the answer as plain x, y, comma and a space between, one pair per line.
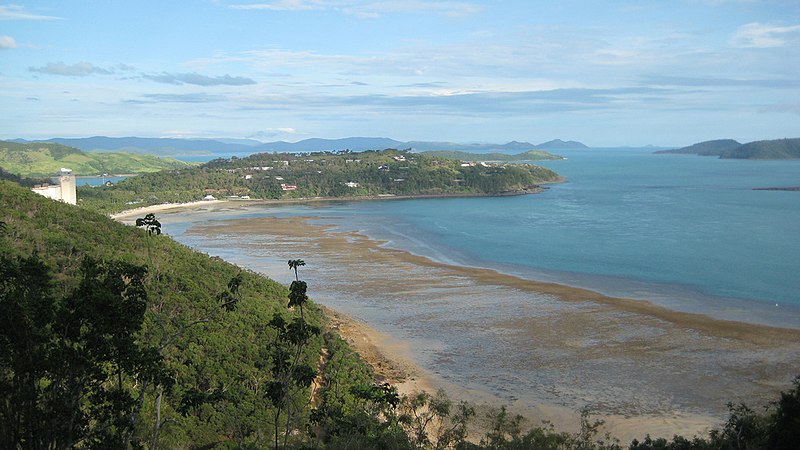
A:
43, 159
530, 155
731, 149
184, 147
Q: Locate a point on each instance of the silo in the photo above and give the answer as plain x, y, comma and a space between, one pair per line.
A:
67, 181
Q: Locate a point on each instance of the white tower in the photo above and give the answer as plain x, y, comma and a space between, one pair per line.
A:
67, 182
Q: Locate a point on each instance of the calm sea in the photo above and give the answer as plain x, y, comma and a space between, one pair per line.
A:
684, 231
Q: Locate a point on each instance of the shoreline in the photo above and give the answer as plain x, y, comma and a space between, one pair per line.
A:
392, 355
303, 200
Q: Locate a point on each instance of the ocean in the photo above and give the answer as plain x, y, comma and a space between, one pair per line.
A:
684, 232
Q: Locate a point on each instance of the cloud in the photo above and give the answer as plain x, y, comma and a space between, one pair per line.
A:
477, 103
198, 97
7, 42
663, 80
271, 133
80, 69
286, 5
377, 9
756, 35
198, 80
366, 9
16, 12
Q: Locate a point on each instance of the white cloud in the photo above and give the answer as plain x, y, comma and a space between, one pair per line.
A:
756, 35
7, 42
287, 5
198, 80
80, 69
16, 12
366, 9
376, 9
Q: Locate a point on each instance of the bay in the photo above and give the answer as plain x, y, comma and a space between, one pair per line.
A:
684, 232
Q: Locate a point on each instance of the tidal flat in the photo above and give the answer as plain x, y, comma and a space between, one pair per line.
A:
545, 350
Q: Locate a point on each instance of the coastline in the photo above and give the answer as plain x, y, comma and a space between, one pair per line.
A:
162, 207
395, 356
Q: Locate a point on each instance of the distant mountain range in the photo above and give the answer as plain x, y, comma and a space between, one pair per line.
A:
179, 147
731, 149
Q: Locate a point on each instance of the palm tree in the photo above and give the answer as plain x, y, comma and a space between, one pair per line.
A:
294, 264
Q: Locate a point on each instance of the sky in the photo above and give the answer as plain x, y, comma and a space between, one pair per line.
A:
606, 73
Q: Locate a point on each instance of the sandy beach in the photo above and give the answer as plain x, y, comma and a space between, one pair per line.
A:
544, 349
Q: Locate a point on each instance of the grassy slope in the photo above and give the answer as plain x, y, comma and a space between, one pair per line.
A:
226, 353
44, 159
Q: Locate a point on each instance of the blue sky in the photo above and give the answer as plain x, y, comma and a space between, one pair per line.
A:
607, 73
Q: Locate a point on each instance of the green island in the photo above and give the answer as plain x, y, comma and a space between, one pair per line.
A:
731, 149
115, 336
43, 159
320, 175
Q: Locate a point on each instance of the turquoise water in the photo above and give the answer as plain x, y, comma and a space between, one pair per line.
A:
685, 220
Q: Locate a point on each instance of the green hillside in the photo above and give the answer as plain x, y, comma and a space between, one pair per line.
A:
530, 155
774, 149
324, 174
730, 149
43, 159
215, 341
706, 148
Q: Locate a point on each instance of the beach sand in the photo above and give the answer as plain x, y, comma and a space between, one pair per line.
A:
544, 350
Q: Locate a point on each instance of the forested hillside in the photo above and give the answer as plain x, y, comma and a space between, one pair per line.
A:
730, 149
43, 159
287, 176
112, 334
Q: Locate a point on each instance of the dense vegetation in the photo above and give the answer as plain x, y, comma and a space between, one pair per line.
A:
43, 159
530, 155
342, 174
730, 149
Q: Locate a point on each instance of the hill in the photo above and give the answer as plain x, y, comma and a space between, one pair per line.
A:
42, 159
530, 155
320, 175
208, 327
774, 149
731, 149
558, 144
706, 148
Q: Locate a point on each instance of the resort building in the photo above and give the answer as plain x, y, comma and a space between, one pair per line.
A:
64, 191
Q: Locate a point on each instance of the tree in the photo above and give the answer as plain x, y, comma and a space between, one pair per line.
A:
69, 363
290, 375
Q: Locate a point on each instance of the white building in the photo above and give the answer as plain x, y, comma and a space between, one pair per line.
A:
64, 191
